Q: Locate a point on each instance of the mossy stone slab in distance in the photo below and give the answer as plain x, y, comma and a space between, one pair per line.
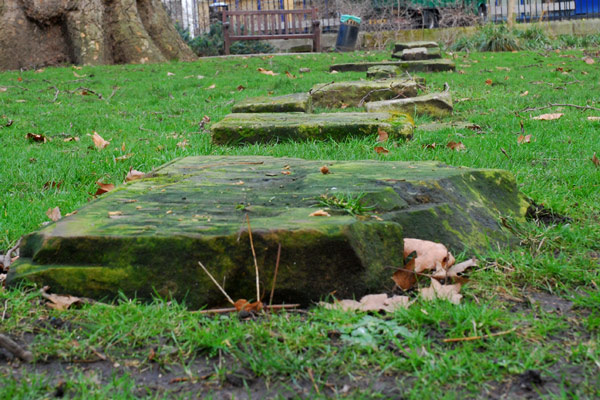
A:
383, 71
439, 65
295, 102
146, 237
437, 105
354, 93
412, 45
418, 53
243, 128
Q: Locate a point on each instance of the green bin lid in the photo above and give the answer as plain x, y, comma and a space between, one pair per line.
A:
346, 18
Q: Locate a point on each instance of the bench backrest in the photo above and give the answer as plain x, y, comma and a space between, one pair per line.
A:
265, 24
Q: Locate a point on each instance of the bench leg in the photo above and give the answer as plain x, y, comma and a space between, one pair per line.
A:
317, 37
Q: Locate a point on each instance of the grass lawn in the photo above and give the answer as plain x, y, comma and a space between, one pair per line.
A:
546, 289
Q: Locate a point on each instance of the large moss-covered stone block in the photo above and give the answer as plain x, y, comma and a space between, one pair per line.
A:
418, 53
383, 71
439, 65
437, 105
354, 93
398, 47
146, 237
295, 102
243, 128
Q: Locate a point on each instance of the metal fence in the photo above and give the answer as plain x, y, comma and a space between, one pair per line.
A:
197, 15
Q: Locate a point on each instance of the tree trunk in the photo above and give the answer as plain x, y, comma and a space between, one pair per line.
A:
36, 33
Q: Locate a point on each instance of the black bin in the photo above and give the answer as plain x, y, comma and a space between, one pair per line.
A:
348, 33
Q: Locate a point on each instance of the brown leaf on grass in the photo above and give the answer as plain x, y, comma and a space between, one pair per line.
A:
381, 150
371, 302
112, 214
183, 144
52, 185
133, 175
595, 160
488, 81
333, 71
124, 157
593, 118
429, 254
525, 93
240, 88
170, 74
319, 213
503, 68
61, 302
524, 139
588, 60
266, 72
439, 291
71, 139
456, 146
304, 70
286, 172
211, 87
103, 188
3, 89
405, 277
548, 117
383, 135
289, 75
431, 146
35, 137
54, 214
324, 170
8, 123
244, 305
99, 142
456, 269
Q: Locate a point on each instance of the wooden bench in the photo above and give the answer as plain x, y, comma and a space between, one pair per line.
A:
271, 24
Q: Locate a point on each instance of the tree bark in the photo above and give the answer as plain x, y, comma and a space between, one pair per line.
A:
36, 33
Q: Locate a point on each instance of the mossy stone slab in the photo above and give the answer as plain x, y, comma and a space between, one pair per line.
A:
243, 128
295, 102
437, 105
439, 65
146, 237
412, 45
354, 93
418, 53
383, 71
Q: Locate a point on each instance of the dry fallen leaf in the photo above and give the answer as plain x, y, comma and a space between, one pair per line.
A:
99, 142
319, 213
439, 291
525, 93
383, 135
456, 146
488, 81
548, 117
52, 185
266, 72
456, 269
371, 302
244, 305
324, 170
183, 144
304, 70
124, 157
429, 254
71, 139
133, 175
211, 86
61, 302
34, 137
593, 118
289, 75
405, 277
240, 88
431, 146
595, 160
115, 213
503, 68
103, 188
588, 60
54, 214
333, 71
381, 150
170, 74
524, 139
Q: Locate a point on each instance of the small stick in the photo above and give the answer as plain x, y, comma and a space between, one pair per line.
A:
273, 307
15, 349
312, 379
254, 256
469, 338
217, 283
8, 255
275, 274
4, 312
550, 105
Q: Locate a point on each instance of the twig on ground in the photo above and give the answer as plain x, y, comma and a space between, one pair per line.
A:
275, 274
8, 256
4, 311
550, 105
115, 88
56, 92
273, 307
254, 257
470, 338
312, 379
321, 88
366, 96
217, 283
15, 349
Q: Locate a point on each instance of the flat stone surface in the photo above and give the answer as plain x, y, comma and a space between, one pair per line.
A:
437, 105
146, 237
245, 128
418, 53
383, 71
438, 65
411, 45
456, 125
295, 102
354, 93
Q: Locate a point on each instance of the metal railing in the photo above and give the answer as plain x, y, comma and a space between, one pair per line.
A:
197, 15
